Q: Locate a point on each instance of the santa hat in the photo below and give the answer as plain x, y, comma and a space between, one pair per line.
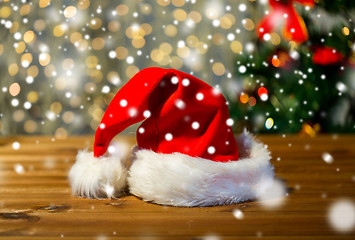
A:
187, 154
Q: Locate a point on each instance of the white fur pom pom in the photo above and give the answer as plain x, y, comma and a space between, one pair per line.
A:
100, 177
180, 180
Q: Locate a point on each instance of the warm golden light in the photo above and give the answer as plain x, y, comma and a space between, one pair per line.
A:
30, 126
170, 30
26, 60
131, 71
20, 47
244, 98
32, 71
14, 89
44, 3
69, 11
95, 23
122, 10
56, 107
60, 133
183, 52
91, 61
163, 2
75, 37
138, 43
59, 30
68, 64
192, 41
195, 16
178, 3
248, 24
60, 83
13, 69
68, 117
275, 39
114, 26
180, 15
39, 25
83, 4
44, 59
25, 9
236, 46
32, 96
218, 68
98, 43
346, 31
166, 48
5, 12
176, 62
29, 37
121, 53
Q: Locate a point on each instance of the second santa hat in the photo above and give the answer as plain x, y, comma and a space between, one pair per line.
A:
187, 154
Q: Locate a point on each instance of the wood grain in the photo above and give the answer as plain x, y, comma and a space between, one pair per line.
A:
37, 203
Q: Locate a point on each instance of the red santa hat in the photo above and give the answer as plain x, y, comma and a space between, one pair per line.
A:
186, 152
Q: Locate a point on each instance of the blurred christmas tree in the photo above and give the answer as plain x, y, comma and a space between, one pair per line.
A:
298, 76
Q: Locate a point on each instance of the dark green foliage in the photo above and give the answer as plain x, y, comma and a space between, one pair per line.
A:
292, 102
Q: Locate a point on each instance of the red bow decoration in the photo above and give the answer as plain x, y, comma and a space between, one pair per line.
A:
326, 56
283, 11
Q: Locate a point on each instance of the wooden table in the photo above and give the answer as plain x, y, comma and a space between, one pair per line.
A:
35, 198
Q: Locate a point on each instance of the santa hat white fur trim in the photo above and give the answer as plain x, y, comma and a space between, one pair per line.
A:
180, 180
102, 177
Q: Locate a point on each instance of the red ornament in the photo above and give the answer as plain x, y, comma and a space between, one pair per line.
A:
283, 12
325, 55
262, 91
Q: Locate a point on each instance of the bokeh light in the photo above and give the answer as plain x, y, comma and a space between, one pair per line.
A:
14, 89
274, 196
341, 215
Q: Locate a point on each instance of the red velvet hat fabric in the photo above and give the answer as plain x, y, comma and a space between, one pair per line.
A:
181, 114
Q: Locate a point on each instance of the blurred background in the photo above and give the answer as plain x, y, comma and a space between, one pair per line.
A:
285, 66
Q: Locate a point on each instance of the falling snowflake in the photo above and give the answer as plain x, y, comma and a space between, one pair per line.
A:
132, 112
123, 103
111, 149
211, 150
327, 158
238, 214
141, 130
274, 196
195, 125
19, 169
168, 137
16, 145
230, 122
174, 80
185, 82
341, 215
146, 113
180, 104
199, 96
242, 69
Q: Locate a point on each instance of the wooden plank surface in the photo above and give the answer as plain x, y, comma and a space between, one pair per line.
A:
35, 200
